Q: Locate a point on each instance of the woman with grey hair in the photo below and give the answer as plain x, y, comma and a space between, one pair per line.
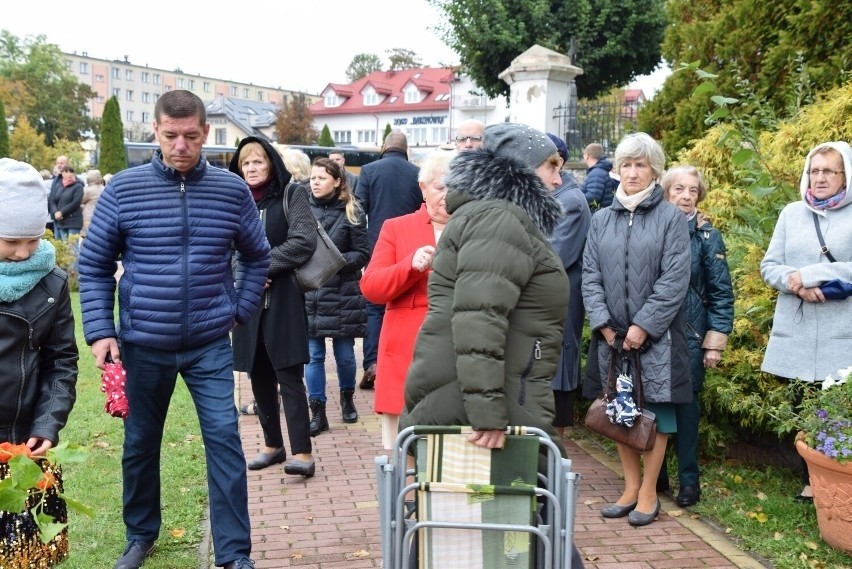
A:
709, 313
635, 277
91, 193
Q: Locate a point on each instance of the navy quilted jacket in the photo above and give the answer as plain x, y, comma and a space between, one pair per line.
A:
709, 302
599, 187
174, 236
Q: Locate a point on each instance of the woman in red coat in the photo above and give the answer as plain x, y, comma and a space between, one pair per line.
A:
396, 276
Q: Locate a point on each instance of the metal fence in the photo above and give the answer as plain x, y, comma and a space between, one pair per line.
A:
605, 121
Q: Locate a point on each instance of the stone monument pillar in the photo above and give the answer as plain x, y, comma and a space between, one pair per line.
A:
539, 82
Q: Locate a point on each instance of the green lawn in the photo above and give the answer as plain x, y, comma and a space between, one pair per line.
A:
97, 543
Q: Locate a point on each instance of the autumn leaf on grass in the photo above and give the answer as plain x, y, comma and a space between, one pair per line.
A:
811, 545
100, 444
184, 490
758, 516
761, 496
177, 533
360, 554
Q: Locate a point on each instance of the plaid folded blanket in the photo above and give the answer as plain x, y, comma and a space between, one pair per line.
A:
461, 482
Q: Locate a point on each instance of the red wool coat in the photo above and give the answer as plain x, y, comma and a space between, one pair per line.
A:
390, 280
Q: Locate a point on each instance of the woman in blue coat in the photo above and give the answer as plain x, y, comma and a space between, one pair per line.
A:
709, 312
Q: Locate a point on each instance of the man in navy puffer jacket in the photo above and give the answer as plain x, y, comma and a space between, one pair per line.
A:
598, 186
175, 224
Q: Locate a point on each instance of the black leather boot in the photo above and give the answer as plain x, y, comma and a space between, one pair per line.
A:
347, 406
319, 422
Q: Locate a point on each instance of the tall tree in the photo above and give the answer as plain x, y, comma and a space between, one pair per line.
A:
112, 158
294, 122
4, 132
613, 41
401, 58
27, 145
325, 138
362, 65
58, 107
761, 43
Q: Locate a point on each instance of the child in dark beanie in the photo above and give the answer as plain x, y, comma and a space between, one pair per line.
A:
38, 352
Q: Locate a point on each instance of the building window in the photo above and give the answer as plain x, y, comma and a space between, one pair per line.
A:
84, 67
146, 97
222, 136
146, 117
207, 86
260, 95
116, 92
116, 73
233, 90
156, 78
128, 74
128, 95
371, 99
191, 85
180, 83
342, 136
99, 78
440, 135
168, 88
245, 93
412, 95
129, 116
367, 136
145, 75
332, 100
417, 136
99, 98
156, 97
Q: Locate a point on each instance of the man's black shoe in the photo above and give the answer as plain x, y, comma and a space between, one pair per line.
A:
134, 554
688, 496
242, 563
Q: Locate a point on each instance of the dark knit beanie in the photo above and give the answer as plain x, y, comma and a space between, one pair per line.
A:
520, 142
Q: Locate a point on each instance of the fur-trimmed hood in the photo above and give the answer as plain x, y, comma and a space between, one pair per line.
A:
481, 175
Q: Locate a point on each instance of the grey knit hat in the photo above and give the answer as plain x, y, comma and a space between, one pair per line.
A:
519, 141
23, 200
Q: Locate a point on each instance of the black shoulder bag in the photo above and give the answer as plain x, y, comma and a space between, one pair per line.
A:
324, 263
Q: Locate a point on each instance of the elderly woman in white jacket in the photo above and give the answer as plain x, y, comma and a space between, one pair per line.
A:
810, 336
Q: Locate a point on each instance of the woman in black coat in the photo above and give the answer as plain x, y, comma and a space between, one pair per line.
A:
273, 346
65, 205
337, 310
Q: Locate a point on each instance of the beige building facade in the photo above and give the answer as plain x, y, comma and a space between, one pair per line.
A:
137, 88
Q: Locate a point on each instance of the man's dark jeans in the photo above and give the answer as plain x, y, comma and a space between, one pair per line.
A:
375, 315
208, 373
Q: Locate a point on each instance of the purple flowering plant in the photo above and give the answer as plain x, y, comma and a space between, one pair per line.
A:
824, 420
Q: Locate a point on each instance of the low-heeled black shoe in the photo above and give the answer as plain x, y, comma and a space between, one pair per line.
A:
688, 496
616, 511
264, 459
803, 498
305, 468
637, 518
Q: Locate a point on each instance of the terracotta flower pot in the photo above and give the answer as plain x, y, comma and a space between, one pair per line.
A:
832, 486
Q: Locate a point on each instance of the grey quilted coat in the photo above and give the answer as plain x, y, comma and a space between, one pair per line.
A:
498, 294
636, 271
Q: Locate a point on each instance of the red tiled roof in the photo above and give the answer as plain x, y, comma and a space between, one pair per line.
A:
633, 94
433, 82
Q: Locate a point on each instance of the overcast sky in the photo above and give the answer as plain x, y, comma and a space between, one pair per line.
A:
294, 44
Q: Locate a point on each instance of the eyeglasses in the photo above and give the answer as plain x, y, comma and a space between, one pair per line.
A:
824, 171
472, 138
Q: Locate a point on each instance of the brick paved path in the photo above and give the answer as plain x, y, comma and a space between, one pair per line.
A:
331, 520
